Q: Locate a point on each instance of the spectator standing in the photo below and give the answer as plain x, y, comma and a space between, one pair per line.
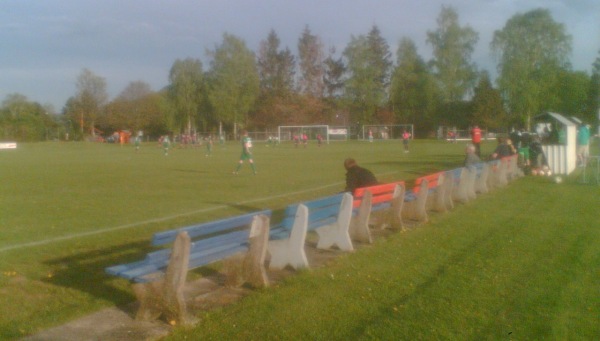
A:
536, 154
476, 139
357, 176
583, 144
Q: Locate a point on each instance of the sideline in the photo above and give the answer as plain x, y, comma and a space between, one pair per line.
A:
163, 219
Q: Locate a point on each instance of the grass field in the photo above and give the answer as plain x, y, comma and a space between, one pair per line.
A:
487, 269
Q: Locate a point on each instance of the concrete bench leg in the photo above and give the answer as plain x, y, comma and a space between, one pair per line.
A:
359, 225
165, 297
461, 190
471, 184
417, 209
149, 296
503, 173
393, 216
338, 232
481, 184
250, 268
290, 251
448, 188
439, 198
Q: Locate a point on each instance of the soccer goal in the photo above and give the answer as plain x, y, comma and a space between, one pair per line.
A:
312, 132
386, 131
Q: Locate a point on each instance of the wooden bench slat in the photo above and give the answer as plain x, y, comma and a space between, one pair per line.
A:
332, 201
205, 229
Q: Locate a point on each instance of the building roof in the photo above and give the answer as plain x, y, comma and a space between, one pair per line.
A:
556, 117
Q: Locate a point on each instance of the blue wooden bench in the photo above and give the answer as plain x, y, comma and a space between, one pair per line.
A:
329, 217
158, 279
387, 198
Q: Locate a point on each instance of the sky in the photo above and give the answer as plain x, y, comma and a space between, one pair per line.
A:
45, 44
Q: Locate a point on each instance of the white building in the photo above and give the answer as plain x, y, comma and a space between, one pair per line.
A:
562, 158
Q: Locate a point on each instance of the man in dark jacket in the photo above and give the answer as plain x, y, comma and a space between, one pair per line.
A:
357, 176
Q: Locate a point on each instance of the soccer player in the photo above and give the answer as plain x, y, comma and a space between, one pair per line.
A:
246, 154
137, 142
405, 139
209, 144
166, 143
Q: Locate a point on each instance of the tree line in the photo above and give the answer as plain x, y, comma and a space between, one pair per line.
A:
260, 90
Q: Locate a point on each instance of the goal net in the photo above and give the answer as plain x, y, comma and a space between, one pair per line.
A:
387, 131
312, 132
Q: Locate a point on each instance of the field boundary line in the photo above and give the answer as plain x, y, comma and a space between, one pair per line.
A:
162, 219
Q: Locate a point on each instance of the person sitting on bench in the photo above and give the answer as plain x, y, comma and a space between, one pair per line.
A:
471, 157
357, 176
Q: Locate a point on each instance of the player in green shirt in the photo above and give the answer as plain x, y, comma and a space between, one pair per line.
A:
166, 144
246, 154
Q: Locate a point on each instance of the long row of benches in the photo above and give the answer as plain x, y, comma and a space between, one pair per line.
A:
243, 242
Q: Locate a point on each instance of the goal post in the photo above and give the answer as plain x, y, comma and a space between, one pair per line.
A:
387, 131
287, 133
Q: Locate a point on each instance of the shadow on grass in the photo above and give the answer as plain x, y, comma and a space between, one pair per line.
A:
194, 171
241, 207
85, 271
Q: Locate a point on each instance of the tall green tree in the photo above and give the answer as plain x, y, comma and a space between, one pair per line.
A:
571, 94
137, 108
414, 95
233, 82
531, 50
89, 101
186, 88
368, 67
488, 109
311, 56
453, 46
334, 75
593, 98
276, 67
23, 120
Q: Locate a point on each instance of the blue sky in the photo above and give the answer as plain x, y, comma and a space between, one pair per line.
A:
46, 43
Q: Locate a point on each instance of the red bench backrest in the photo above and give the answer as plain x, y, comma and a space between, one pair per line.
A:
432, 180
381, 193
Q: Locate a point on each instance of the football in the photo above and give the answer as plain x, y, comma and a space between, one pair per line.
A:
557, 179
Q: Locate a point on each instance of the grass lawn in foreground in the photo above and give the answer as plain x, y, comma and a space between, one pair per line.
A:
520, 263
68, 210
